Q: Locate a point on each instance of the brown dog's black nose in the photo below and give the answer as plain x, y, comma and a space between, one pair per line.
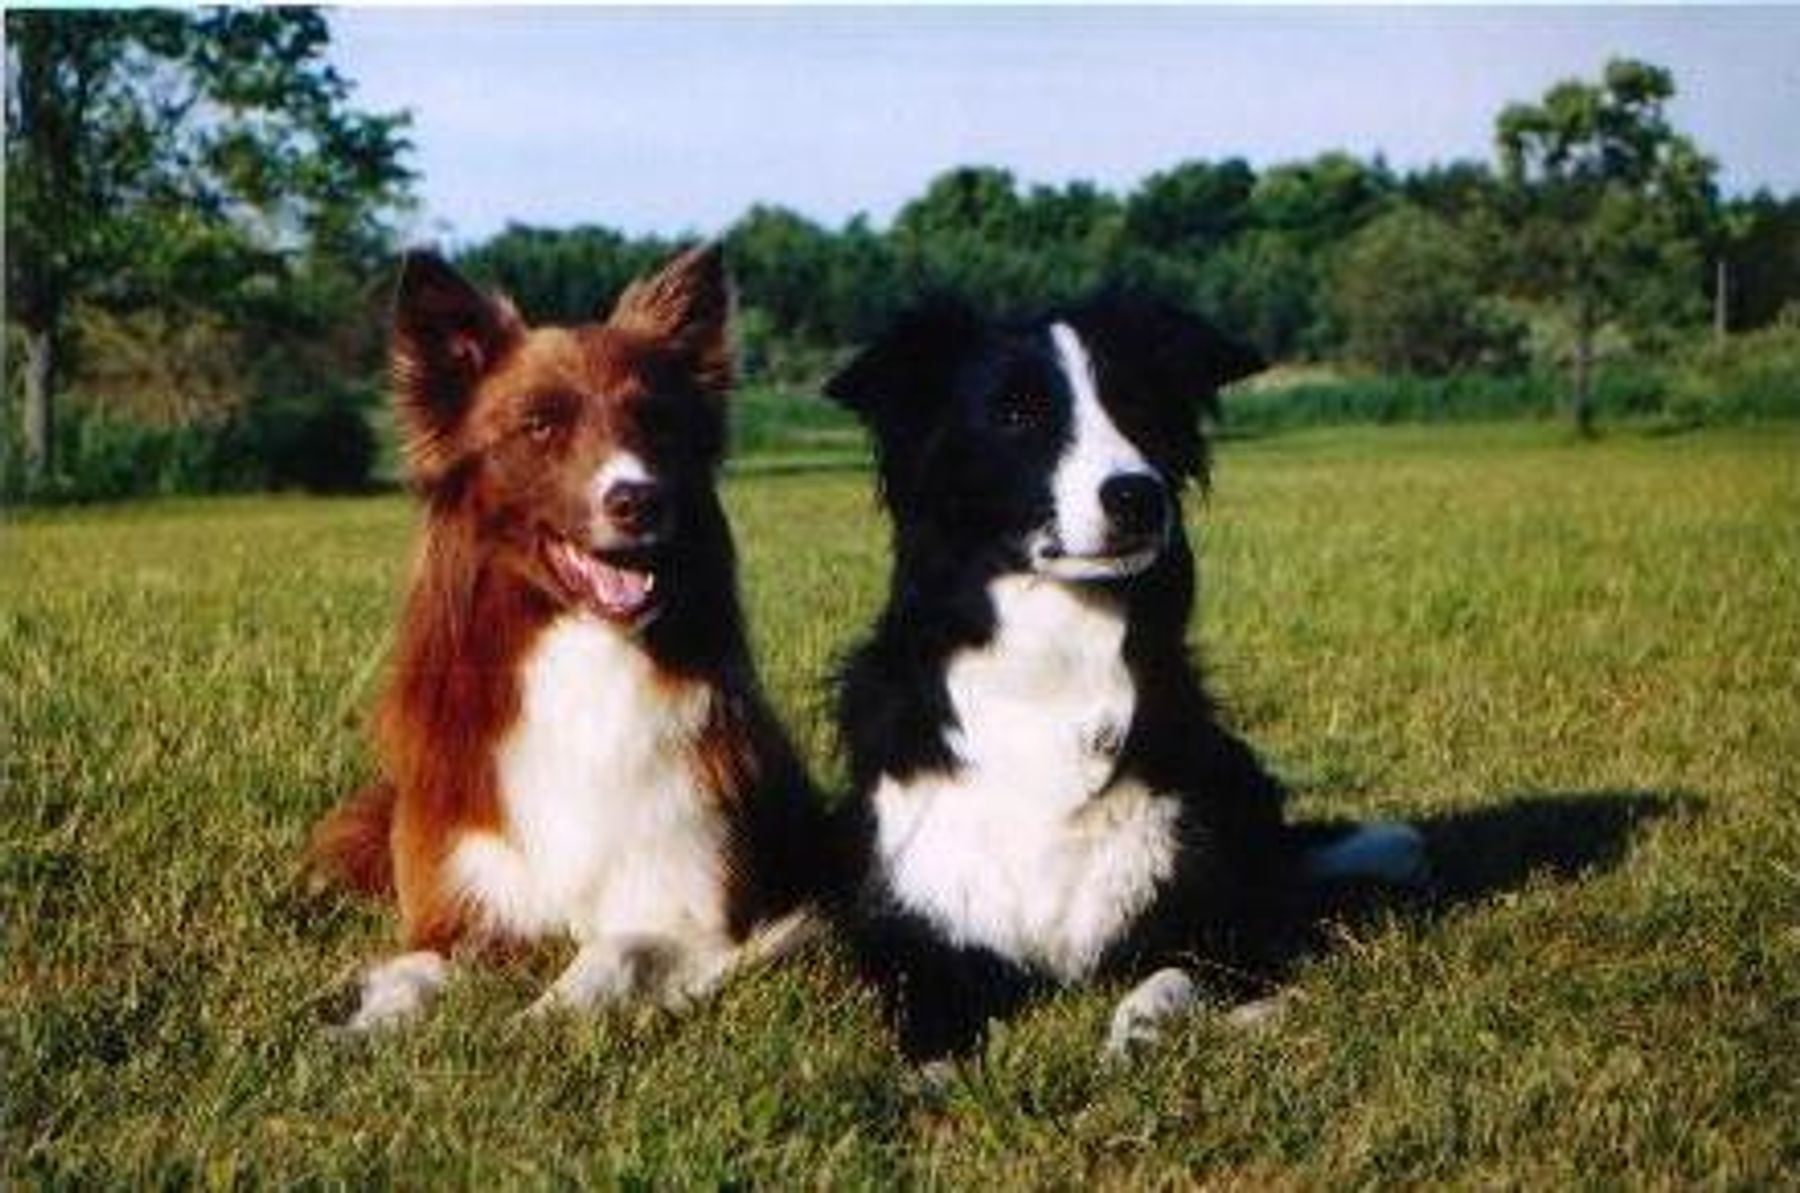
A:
636, 506
1134, 503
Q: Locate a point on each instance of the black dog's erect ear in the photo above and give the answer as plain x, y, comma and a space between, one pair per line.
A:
1179, 355
900, 373
1198, 354
447, 335
1174, 361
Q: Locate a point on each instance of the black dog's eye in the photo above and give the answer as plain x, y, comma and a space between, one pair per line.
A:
1021, 410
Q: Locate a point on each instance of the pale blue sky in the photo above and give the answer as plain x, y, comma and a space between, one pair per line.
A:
676, 120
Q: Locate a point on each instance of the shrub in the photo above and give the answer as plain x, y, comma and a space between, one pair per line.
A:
1746, 376
1406, 293
104, 457
326, 447
1621, 390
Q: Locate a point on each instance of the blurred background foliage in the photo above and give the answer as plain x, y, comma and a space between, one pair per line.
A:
202, 230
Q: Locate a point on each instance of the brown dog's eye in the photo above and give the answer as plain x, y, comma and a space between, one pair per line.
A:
542, 422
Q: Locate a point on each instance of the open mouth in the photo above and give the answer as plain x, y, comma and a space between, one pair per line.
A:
618, 586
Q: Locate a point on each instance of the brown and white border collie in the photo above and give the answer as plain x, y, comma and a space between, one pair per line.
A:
573, 739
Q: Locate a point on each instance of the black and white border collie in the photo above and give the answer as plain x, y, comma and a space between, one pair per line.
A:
1043, 791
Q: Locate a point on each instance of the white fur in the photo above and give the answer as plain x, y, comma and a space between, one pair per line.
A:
1029, 849
610, 835
1260, 1013
1139, 1017
619, 466
1388, 852
1097, 450
398, 989
664, 970
1143, 1015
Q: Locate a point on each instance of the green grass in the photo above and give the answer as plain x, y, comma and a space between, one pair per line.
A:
1579, 665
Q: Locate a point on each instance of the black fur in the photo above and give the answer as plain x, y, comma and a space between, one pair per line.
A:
964, 482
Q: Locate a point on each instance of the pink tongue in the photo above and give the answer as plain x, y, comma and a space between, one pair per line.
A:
610, 591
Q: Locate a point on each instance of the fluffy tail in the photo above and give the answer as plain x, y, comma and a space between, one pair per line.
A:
351, 846
1388, 852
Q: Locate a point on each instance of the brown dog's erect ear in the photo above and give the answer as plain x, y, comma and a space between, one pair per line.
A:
447, 336
685, 307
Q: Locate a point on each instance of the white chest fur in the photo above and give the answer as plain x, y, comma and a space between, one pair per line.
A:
609, 831
1027, 850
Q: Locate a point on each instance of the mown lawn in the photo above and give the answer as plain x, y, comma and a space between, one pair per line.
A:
1577, 665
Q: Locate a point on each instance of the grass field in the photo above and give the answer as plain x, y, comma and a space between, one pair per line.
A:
1577, 665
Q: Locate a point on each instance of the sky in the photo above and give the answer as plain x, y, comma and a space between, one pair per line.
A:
676, 121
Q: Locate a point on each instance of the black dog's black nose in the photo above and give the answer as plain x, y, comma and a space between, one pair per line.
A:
635, 506
1134, 503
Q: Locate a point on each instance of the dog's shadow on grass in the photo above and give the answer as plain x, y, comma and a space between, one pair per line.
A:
1564, 836
1479, 852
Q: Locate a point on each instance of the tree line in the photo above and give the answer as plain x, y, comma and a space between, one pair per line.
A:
202, 226
1598, 228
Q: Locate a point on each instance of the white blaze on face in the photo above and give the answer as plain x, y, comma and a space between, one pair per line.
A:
1096, 451
621, 467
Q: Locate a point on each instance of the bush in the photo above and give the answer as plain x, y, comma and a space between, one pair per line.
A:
1747, 376
765, 420
1622, 390
322, 447
1405, 292
100, 456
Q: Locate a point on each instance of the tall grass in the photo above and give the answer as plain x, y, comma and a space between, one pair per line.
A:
1754, 376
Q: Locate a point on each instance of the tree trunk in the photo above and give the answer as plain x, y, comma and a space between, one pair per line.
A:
40, 395
1584, 369
1721, 298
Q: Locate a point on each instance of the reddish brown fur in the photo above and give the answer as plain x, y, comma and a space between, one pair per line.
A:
351, 845
504, 428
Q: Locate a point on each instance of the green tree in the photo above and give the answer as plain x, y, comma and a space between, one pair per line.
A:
1610, 208
1257, 247
158, 157
782, 265
1265, 285
1318, 203
1762, 273
1455, 190
562, 275
1192, 210
1406, 290
974, 232
982, 200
